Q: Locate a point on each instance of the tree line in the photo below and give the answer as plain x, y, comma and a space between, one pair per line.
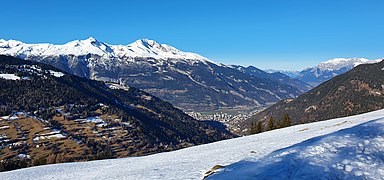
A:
271, 124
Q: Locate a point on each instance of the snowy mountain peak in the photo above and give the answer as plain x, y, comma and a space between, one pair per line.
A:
141, 48
92, 39
83, 47
151, 46
338, 63
146, 42
9, 43
331, 68
153, 49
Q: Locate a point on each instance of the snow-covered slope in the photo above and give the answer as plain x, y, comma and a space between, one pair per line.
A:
322, 149
140, 48
355, 153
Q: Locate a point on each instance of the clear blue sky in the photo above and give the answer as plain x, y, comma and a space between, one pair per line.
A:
280, 34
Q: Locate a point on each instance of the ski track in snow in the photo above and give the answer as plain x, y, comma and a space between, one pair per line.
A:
316, 149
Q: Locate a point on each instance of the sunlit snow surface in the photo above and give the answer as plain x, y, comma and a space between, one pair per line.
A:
310, 151
56, 74
355, 153
338, 63
9, 76
139, 48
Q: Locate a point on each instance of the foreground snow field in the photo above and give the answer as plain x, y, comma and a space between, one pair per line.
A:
354, 153
317, 150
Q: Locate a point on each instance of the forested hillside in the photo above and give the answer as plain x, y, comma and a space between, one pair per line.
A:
45, 112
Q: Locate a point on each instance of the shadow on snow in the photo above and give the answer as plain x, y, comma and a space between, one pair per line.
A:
293, 163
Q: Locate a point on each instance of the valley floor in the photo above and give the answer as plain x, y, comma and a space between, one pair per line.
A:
342, 148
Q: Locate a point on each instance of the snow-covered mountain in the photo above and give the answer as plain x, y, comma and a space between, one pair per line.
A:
329, 69
343, 148
140, 48
338, 63
324, 70
187, 80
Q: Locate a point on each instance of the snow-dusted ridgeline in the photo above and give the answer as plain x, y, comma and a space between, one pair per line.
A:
140, 48
358, 150
331, 68
159, 69
338, 63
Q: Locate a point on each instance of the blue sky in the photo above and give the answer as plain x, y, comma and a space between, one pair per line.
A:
279, 34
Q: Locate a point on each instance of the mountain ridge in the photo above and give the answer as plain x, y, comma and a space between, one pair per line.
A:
187, 80
139, 48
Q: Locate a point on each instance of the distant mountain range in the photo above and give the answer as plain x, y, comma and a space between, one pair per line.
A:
325, 70
49, 116
187, 80
357, 91
276, 76
292, 73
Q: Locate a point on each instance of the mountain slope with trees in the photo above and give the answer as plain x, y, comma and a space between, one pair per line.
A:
45, 112
187, 80
354, 92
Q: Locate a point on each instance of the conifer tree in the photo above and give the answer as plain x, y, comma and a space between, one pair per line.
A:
270, 124
252, 131
259, 127
287, 121
256, 128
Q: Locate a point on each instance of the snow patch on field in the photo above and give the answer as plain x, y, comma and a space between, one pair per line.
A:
321, 149
116, 86
56, 74
24, 156
54, 134
94, 119
97, 120
9, 76
10, 117
148, 98
4, 127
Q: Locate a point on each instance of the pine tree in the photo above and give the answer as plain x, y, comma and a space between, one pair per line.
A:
287, 121
256, 128
270, 124
252, 131
259, 127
